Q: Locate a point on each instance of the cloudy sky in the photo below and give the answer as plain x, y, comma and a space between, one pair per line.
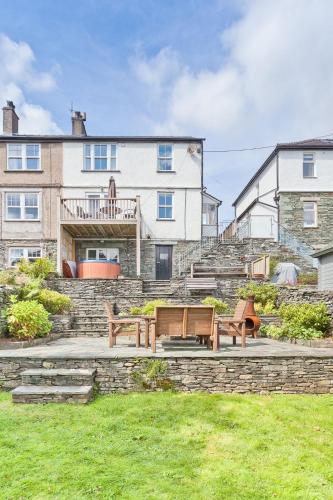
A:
239, 73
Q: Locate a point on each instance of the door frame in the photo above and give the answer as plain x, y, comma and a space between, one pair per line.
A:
170, 252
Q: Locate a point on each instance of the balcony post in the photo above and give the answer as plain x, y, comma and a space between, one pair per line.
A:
59, 237
138, 237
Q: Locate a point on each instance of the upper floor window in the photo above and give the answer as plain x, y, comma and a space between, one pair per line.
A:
22, 206
164, 159
23, 156
165, 205
310, 214
100, 157
308, 165
29, 253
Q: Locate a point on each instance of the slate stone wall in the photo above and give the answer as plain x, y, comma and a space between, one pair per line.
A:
291, 217
299, 375
49, 249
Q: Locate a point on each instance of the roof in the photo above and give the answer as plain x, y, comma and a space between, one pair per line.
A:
204, 192
101, 138
323, 251
298, 145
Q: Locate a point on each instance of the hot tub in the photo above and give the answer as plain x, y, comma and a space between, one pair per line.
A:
103, 269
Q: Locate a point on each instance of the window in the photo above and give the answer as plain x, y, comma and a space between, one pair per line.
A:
209, 214
23, 157
308, 165
22, 206
310, 214
16, 254
103, 254
164, 158
165, 205
100, 157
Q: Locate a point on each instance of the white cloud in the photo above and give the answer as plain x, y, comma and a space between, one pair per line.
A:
275, 84
18, 75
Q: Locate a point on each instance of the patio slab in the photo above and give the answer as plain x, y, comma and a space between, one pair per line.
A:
95, 348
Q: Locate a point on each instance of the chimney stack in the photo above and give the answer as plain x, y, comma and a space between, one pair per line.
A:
10, 119
78, 119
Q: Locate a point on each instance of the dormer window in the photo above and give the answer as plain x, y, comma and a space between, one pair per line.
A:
23, 156
308, 165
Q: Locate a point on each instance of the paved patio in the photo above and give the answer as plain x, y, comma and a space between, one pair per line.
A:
92, 348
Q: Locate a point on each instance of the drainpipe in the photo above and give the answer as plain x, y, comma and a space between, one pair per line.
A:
277, 196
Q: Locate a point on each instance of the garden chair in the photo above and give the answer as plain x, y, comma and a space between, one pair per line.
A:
235, 326
117, 327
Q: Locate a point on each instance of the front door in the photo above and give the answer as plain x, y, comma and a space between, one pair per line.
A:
163, 262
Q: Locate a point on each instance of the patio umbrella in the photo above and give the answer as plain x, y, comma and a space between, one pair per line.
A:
112, 194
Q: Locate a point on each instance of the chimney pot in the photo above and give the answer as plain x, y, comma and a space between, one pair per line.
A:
10, 119
78, 119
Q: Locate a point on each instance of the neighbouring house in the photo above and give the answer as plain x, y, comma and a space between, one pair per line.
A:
325, 268
133, 202
290, 197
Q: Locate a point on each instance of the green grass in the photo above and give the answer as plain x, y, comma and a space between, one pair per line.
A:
169, 446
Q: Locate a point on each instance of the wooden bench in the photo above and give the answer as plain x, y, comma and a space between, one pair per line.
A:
184, 321
200, 284
202, 270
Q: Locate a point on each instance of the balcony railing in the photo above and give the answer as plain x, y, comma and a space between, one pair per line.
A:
98, 209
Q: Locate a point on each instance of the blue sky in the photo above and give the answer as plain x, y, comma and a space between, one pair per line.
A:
240, 73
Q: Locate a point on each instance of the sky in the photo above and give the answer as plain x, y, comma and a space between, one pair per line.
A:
240, 73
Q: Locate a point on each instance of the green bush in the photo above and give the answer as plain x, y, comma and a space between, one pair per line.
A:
308, 279
27, 320
54, 302
273, 262
220, 306
300, 321
263, 293
148, 309
40, 268
268, 309
8, 277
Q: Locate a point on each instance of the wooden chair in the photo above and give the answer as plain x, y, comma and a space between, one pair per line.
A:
117, 327
234, 326
184, 321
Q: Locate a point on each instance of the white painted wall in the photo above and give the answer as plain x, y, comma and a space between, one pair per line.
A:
325, 272
291, 171
138, 176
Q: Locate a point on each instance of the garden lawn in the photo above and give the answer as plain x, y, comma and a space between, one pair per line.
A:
169, 446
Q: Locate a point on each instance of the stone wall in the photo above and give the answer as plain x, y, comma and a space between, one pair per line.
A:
300, 295
300, 375
291, 217
49, 249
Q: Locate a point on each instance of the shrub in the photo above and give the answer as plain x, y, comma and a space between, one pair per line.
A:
148, 309
220, 306
308, 279
8, 277
273, 262
268, 309
151, 375
40, 268
54, 302
263, 293
27, 320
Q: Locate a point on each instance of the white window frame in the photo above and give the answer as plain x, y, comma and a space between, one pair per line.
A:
314, 210
22, 206
314, 165
106, 250
159, 158
165, 206
111, 157
25, 254
23, 157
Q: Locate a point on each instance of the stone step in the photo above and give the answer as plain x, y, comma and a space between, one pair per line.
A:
52, 394
89, 332
58, 376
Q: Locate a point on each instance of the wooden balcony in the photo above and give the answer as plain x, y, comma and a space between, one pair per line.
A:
100, 217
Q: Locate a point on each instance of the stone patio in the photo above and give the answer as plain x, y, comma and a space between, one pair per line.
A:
94, 348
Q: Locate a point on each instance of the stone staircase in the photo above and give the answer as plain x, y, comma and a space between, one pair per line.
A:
157, 288
55, 385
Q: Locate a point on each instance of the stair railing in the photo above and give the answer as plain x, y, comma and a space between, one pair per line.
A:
304, 250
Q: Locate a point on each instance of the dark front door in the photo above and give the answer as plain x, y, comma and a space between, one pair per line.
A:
163, 262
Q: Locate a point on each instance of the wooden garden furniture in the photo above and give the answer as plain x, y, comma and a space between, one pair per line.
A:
117, 327
184, 321
235, 326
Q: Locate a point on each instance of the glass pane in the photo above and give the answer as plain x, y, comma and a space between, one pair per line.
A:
15, 164
113, 149
13, 200
309, 218
32, 163
15, 149
15, 255
161, 213
32, 150
30, 200
113, 164
161, 150
100, 163
161, 199
168, 213
308, 156
87, 150
31, 213
168, 150
309, 205
102, 255
164, 165
34, 253
168, 199
100, 150
308, 169
14, 213
87, 163
91, 254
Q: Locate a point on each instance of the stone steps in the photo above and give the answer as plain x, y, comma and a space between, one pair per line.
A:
52, 385
157, 287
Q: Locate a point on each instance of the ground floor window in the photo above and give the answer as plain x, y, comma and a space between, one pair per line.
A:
17, 253
103, 254
310, 214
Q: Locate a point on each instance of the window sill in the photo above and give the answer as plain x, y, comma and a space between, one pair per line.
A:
98, 171
310, 177
166, 220
22, 220
23, 171
310, 227
166, 171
